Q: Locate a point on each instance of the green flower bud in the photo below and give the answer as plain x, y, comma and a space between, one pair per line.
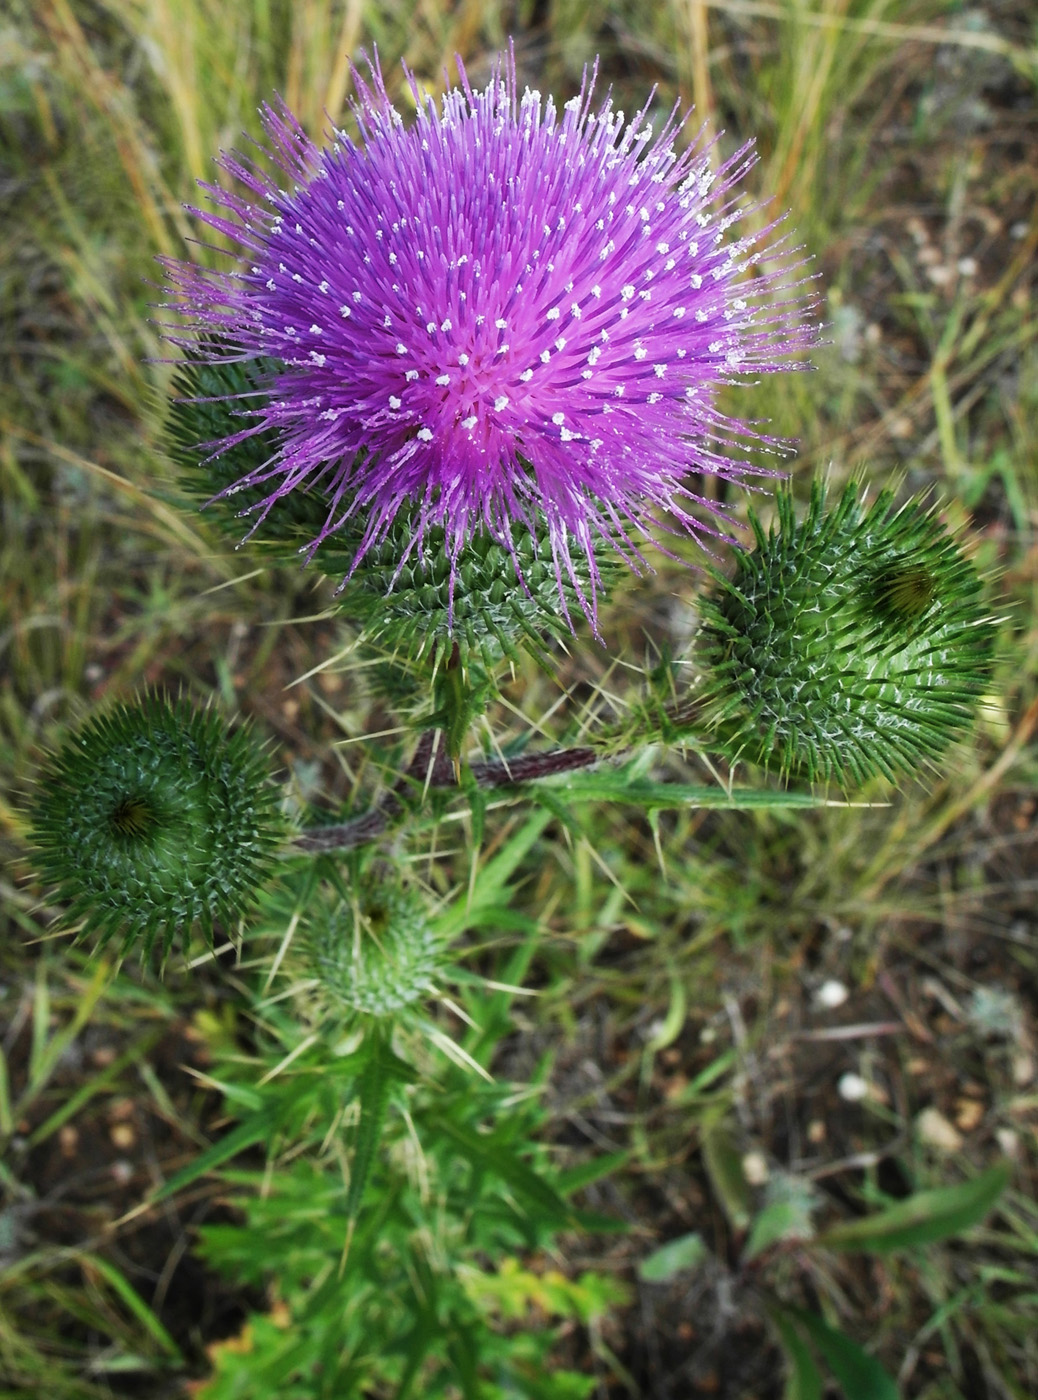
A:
853, 644
155, 818
403, 598
375, 952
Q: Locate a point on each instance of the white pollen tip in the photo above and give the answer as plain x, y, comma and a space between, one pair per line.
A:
425, 434
394, 402
401, 348
443, 380
470, 422
500, 403
558, 419
526, 376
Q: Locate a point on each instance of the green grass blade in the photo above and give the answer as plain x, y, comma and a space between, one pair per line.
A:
46, 1052
132, 1300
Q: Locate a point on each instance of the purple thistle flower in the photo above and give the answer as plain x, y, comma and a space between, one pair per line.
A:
495, 315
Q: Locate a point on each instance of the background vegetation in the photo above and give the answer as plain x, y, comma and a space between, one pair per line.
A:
691, 970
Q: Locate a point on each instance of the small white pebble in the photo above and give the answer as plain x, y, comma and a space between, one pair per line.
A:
831, 994
755, 1168
1008, 1140
852, 1087
933, 1129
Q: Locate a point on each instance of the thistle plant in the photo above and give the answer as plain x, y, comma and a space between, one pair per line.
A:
466, 368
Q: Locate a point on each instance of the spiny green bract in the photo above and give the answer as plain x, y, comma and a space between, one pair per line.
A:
401, 593
156, 818
850, 645
375, 952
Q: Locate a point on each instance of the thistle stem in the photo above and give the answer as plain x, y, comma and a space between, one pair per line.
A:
431, 766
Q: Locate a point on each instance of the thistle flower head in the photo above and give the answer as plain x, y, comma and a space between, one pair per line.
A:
153, 818
408, 601
499, 317
851, 644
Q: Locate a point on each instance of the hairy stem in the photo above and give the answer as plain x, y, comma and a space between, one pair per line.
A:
431, 767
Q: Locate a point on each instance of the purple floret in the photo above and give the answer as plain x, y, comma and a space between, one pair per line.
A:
495, 314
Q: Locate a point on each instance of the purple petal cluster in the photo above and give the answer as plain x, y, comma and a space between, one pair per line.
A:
495, 314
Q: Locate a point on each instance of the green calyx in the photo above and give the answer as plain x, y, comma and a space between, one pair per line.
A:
852, 644
155, 818
488, 602
375, 952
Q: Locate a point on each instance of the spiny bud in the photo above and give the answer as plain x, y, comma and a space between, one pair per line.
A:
155, 818
405, 593
375, 952
852, 644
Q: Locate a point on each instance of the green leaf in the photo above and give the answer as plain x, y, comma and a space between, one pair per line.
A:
674, 1021
804, 1381
613, 786
672, 1258
491, 879
860, 1375
256, 1128
382, 1070
923, 1218
485, 1153
576, 1178
782, 1220
724, 1167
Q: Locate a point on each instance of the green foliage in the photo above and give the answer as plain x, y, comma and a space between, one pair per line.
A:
673, 1258
378, 1272
852, 644
923, 1218
153, 819
860, 1375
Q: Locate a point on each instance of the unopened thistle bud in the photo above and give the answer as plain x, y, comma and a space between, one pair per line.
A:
375, 952
153, 819
852, 644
